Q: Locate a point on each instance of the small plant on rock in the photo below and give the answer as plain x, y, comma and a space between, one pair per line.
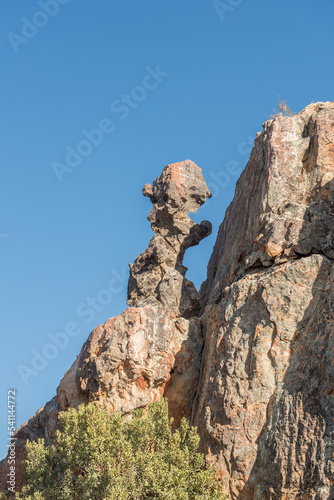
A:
283, 108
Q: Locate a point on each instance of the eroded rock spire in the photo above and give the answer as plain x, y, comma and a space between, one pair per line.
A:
158, 271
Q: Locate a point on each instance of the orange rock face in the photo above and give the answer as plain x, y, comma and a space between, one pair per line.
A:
134, 359
265, 404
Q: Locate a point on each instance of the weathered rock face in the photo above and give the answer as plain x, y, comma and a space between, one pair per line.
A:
283, 205
265, 405
134, 359
255, 372
158, 271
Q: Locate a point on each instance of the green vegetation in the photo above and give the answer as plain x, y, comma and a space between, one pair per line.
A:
99, 455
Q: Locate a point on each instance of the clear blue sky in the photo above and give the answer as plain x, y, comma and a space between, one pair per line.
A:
194, 84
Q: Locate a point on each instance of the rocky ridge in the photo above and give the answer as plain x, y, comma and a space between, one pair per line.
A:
250, 359
265, 404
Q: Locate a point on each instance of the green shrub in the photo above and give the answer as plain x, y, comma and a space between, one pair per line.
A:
99, 455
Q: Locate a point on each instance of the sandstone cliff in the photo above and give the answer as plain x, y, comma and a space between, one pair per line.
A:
250, 359
265, 405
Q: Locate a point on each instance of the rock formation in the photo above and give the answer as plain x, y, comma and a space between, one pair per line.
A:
133, 359
250, 359
158, 272
265, 404
151, 349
